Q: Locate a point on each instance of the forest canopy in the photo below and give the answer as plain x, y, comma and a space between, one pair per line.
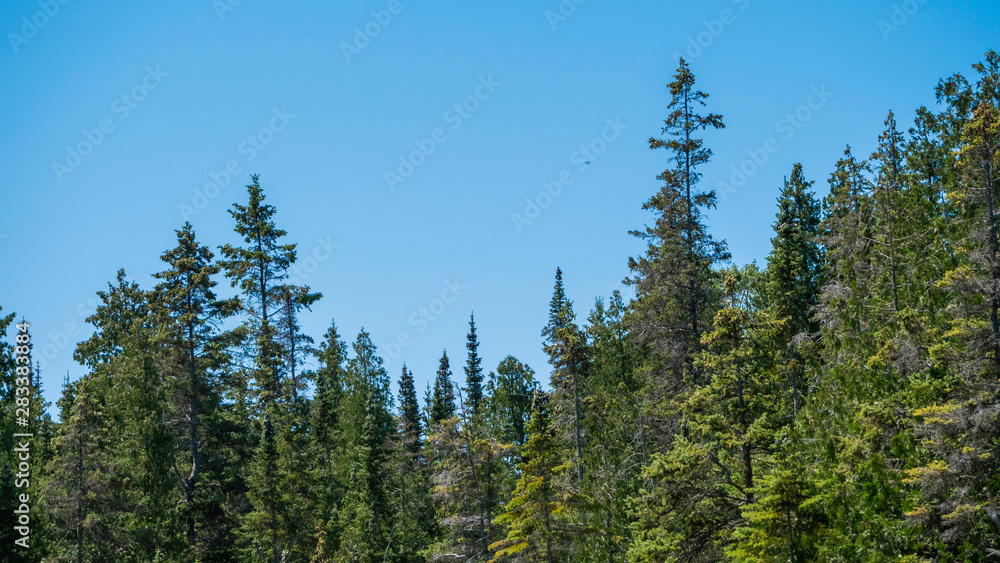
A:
838, 402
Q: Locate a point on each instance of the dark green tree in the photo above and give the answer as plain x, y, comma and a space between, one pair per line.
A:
327, 436
442, 406
674, 282
794, 272
537, 513
509, 392
566, 346
473, 368
189, 332
409, 413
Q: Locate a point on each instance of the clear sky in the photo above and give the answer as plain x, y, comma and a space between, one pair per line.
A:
398, 138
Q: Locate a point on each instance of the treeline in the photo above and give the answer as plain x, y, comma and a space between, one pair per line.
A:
839, 403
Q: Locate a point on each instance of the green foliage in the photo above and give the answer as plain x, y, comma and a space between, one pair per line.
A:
442, 406
839, 405
473, 369
540, 512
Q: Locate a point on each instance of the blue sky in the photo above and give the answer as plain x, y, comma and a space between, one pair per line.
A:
121, 121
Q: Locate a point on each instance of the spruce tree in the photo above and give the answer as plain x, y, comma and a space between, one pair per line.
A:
473, 368
366, 512
706, 478
327, 437
189, 330
794, 272
443, 403
566, 345
260, 270
409, 412
540, 503
675, 299
509, 392
958, 501
125, 362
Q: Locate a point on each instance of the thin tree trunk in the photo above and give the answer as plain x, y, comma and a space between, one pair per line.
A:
994, 267
485, 525
579, 446
745, 447
191, 482
79, 499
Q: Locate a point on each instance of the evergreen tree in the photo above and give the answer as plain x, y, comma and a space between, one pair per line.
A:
540, 503
509, 394
409, 413
327, 437
957, 505
135, 520
77, 498
616, 449
442, 406
473, 368
259, 270
708, 476
566, 345
675, 299
794, 272
190, 315
367, 422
